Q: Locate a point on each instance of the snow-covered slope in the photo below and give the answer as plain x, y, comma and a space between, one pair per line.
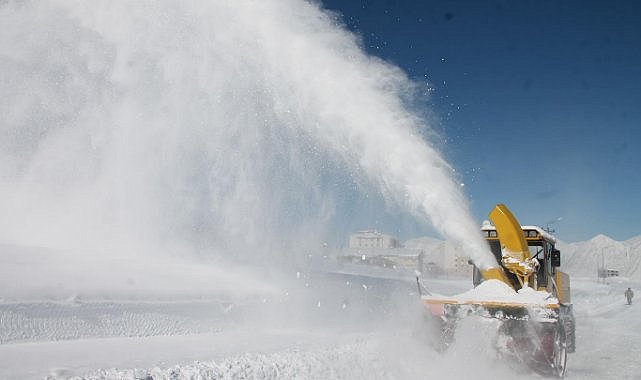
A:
583, 259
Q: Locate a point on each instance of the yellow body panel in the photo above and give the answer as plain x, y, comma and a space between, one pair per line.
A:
510, 233
495, 274
516, 255
562, 281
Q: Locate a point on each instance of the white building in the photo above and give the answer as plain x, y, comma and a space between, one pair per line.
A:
371, 247
428, 255
441, 257
372, 239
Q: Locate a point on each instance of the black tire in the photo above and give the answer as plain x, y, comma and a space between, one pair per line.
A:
549, 352
560, 354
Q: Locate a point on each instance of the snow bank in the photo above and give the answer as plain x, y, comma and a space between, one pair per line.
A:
348, 361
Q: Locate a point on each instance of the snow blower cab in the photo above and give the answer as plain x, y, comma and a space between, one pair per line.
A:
538, 268
526, 291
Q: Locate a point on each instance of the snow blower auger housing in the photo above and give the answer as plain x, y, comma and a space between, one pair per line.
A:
526, 292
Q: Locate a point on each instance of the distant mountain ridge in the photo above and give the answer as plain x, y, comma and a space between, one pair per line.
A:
583, 259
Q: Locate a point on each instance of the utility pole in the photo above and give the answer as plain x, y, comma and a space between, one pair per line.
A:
549, 223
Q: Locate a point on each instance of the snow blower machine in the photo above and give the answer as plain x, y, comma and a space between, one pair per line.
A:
525, 294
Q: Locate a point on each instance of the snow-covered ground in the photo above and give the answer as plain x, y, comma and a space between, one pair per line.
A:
314, 325
174, 137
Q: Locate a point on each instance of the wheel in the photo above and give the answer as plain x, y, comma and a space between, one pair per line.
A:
560, 352
548, 354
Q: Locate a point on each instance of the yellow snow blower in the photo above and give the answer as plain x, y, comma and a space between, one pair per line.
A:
526, 292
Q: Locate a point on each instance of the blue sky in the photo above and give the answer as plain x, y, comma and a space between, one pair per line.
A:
539, 102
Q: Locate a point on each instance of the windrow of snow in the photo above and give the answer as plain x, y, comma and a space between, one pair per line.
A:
349, 361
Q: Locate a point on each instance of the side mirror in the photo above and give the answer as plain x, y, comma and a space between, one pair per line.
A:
555, 258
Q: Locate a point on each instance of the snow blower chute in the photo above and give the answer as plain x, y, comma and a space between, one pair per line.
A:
526, 292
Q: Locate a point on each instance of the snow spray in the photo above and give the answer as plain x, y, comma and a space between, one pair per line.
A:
234, 124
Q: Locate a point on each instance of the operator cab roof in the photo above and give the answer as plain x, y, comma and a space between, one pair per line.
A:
529, 231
